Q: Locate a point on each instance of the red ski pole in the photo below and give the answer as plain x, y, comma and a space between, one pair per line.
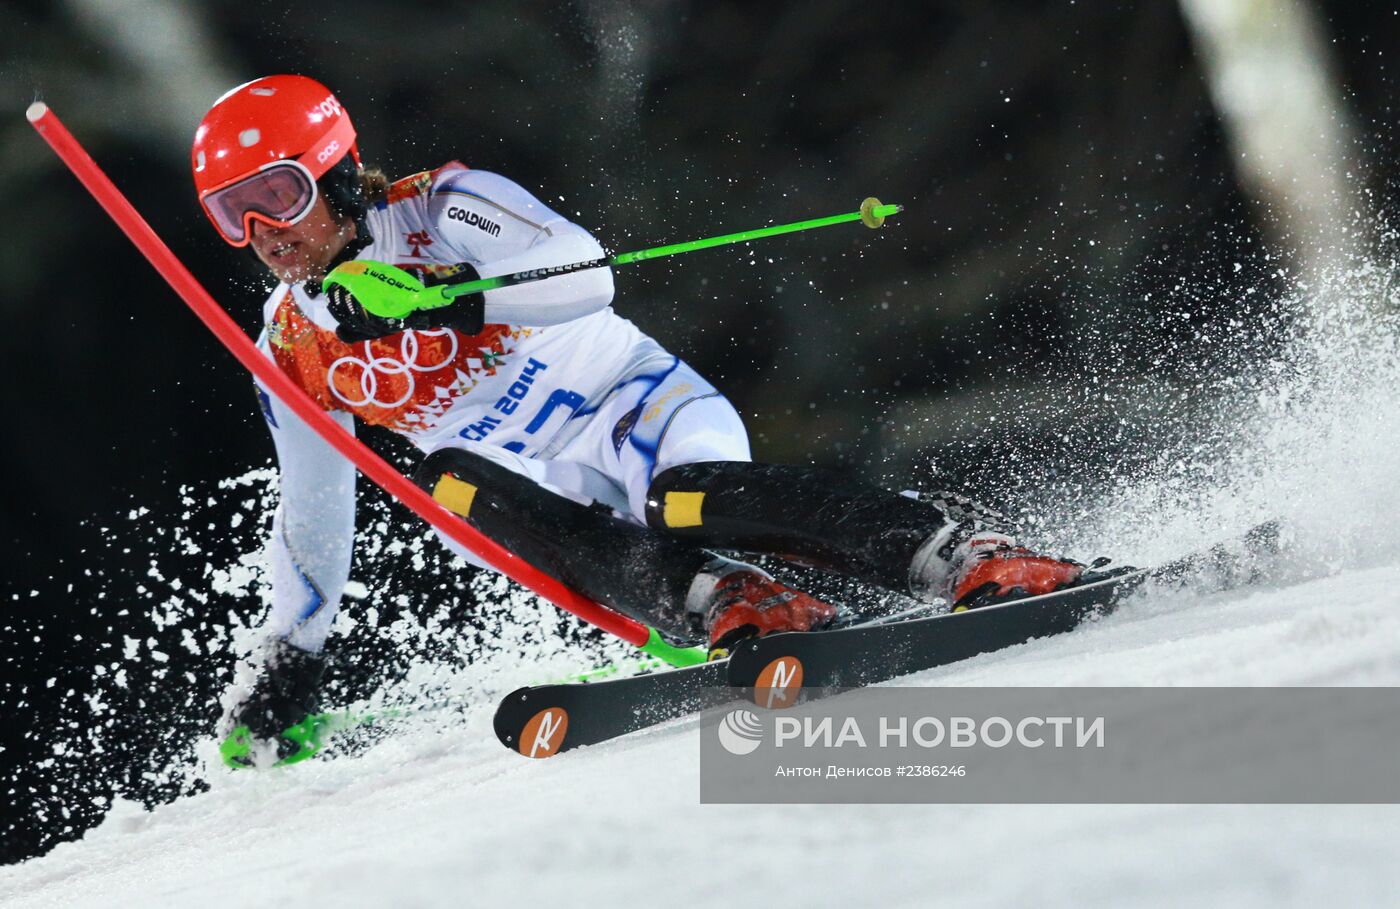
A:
370, 464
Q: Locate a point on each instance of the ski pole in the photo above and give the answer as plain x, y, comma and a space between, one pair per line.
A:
392, 293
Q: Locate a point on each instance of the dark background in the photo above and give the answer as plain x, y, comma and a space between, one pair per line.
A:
1071, 211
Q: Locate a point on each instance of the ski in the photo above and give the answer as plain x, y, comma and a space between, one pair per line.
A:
543, 720
780, 666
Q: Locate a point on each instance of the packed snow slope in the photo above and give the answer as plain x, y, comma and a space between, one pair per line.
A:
452, 818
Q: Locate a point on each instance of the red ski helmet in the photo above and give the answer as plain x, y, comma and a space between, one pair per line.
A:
261, 148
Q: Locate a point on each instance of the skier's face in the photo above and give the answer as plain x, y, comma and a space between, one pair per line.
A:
302, 251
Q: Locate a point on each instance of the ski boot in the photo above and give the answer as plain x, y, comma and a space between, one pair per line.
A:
990, 568
281, 715
746, 602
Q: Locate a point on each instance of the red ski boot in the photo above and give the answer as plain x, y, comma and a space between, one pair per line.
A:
747, 602
994, 570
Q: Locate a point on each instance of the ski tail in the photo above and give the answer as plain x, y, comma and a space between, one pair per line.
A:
544, 720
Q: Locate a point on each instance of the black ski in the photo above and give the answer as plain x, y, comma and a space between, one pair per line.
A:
781, 664
864, 654
543, 720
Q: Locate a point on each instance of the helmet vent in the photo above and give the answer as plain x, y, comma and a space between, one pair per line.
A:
250, 137
263, 92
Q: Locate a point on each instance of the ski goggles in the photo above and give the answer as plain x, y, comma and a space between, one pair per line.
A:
278, 194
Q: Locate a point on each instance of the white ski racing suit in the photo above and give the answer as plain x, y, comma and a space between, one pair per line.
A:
556, 386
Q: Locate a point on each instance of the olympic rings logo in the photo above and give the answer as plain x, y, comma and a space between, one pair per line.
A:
372, 368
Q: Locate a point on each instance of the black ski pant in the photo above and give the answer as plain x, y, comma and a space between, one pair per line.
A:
810, 515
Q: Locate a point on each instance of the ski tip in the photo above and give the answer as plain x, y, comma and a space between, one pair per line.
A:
36, 111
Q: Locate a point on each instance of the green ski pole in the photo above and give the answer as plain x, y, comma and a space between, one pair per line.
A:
392, 293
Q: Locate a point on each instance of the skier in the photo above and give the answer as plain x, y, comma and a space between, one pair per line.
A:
550, 423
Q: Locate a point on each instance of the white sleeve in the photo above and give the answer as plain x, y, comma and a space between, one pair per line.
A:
499, 228
313, 531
